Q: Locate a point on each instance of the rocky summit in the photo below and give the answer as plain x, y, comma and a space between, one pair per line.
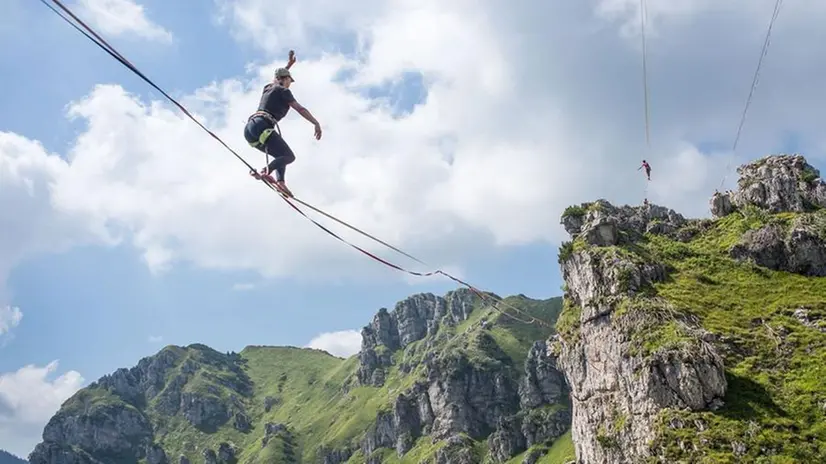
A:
677, 340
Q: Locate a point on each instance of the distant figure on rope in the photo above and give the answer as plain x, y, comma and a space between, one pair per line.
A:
276, 100
647, 169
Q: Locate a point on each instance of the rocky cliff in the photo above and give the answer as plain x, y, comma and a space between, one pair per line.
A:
699, 340
442, 379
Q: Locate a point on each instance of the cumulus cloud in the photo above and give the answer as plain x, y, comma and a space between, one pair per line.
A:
121, 17
28, 398
527, 110
30, 223
344, 343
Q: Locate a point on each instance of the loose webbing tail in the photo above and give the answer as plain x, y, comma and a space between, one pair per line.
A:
100, 42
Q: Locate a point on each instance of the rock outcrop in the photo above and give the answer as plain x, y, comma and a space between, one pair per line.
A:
427, 408
543, 382
779, 184
413, 319
774, 184
461, 397
156, 455
457, 450
109, 420
602, 224
113, 431
619, 373
798, 247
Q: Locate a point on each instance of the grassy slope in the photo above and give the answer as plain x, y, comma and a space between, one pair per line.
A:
561, 452
308, 387
775, 365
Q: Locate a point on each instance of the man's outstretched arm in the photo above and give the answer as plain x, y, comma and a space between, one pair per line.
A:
303, 112
308, 116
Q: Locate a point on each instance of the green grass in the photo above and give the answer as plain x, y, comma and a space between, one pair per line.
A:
424, 451
775, 365
560, 452
90, 400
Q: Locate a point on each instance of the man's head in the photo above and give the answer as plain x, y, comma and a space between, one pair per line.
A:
283, 77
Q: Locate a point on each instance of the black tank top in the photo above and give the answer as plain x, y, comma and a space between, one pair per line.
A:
276, 100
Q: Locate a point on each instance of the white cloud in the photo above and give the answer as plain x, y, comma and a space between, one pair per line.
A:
29, 222
528, 110
28, 398
344, 343
155, 339
121, 17
241, 287
9, 318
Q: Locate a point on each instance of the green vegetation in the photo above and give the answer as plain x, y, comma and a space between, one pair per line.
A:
574, 211
567, 325
775, 408
91, 399
775, 364
809, 175
561, 452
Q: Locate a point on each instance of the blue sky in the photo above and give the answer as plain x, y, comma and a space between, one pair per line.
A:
463, 150
105, 296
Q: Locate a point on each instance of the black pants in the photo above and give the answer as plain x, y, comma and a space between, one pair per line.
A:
260, 133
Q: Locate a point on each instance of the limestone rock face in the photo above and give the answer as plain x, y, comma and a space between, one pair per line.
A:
413, 319
617, 385
109, 419
779, 184
603, 224
776, 184
799, 247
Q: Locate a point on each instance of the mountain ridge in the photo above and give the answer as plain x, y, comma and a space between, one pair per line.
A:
8, 458
438, 377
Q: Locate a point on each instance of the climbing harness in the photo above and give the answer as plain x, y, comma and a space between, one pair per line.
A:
755, 79
490, 299
265, 134
269, 118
